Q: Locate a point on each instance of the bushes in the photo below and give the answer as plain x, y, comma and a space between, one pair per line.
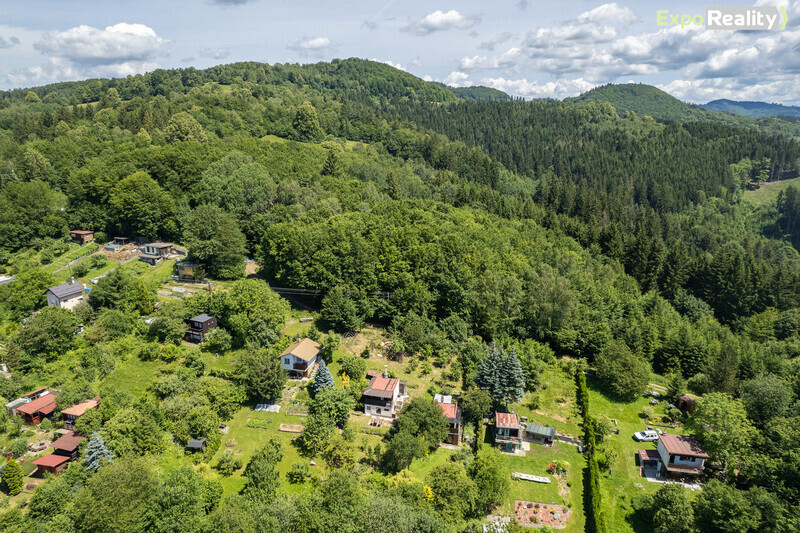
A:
595, 520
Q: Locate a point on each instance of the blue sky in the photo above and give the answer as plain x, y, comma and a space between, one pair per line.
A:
524, 47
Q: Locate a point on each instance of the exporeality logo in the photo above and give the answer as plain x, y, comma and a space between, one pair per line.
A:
729, 18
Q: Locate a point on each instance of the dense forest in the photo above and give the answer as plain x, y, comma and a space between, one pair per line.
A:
442, 215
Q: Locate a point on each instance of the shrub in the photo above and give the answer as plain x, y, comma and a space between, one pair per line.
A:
19, 447
298, 472
81, 269
228, 464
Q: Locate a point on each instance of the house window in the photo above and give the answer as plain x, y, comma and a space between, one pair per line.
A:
286, 361
687, 458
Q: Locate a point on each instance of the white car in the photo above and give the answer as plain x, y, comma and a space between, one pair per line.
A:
648, 435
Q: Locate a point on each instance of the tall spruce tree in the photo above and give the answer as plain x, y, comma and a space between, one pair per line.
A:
96, 453
324, 379
501, 375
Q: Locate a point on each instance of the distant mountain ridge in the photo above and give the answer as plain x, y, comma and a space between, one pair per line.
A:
651, 101
752, 108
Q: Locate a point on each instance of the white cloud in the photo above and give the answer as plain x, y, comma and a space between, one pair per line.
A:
561, 88
312, 46
441, 21
60, 69
370, 25
84, 51
398, 66
777, 89
508, 59
610, 14
118, 43
458, 79
214, 53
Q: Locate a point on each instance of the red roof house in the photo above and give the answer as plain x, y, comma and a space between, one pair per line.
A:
36, 410
681, 455
52, 463
453, 413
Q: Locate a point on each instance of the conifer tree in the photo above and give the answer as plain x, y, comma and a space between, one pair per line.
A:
392, 186
97, 454
12, 477
331, 166
324, 379
501, 375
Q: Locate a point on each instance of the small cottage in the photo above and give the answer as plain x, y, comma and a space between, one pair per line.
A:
382, 396
199, 326
507, 433
71, 414
154, 252
680, 455
537, 434
300, 358
67, 295
189, 270
68, 445
81, 236
687, 404
51, 464
196, 445
34, 411
453, 413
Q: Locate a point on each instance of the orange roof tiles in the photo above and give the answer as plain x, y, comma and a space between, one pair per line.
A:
80, 408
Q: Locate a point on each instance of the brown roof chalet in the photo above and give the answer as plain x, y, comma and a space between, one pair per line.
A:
305, 349
682, 445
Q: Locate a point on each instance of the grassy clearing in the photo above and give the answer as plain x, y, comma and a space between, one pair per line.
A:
133, 375
555, 404
767, 194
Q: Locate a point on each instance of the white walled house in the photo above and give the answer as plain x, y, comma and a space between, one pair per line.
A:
300, 358
681, 455
381, 397
66, 295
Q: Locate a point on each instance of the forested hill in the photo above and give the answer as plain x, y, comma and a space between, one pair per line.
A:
653, 102
480, 94
752, 109
641, 99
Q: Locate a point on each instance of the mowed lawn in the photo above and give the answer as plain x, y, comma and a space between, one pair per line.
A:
245, 441
618, 484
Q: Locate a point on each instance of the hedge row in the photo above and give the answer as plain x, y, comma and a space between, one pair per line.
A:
595, 520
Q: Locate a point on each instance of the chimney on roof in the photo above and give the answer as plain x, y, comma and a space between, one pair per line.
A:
386, 371
72, 279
